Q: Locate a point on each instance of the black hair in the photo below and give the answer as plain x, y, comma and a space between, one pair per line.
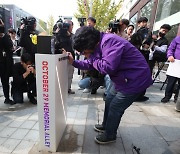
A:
26, 58
11, 30
131, 26
142, 19
166, 26
125, 21
92, 19
86, 38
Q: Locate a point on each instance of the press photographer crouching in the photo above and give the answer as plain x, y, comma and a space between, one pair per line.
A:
28, 36
24, 80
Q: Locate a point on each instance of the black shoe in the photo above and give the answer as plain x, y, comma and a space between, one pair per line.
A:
102, 139
99, 128
33, 101
93, 91
8, 101
142, 99
165, 100
71, 92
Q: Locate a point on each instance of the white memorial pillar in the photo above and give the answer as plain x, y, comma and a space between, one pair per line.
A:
52, 88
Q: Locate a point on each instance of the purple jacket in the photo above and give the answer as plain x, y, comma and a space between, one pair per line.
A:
174, 48
125, 64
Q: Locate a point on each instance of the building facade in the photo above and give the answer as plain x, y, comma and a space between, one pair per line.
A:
12, 16
158, 12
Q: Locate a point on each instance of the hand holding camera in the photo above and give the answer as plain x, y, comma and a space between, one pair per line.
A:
30, 69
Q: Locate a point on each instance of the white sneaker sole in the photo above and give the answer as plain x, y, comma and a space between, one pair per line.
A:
98, 130
177, 109
99, 142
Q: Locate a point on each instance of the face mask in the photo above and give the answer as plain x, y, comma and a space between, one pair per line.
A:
161, 34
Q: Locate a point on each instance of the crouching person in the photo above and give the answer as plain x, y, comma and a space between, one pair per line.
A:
24, 80
126, 66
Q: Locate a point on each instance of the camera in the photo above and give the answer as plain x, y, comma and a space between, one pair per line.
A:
61, 37
29, 23
81, 21
114, 26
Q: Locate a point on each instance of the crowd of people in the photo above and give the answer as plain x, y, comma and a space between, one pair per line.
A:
126, 60
120, 60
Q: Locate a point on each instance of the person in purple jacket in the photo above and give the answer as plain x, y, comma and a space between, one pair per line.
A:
172, 53
127, 68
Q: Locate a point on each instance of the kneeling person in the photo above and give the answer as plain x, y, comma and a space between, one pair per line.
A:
24, 80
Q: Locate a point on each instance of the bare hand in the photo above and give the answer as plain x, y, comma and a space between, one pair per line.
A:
146, 46
22, 26
70, 57
29, 69
171, 59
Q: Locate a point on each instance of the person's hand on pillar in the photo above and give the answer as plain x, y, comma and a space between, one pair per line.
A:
171, 59
70, 57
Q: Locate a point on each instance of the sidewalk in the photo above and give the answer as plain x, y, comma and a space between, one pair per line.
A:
150, 126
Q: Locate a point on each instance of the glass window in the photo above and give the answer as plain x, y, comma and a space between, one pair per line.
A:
133, 19
167, 8
146, 10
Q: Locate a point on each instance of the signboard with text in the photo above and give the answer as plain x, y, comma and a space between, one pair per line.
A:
52, 79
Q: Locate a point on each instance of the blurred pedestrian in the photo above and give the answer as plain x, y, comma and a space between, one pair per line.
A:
172, 54
6, 62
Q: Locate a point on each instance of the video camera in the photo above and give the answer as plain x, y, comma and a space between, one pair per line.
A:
81, 21
61, 36
114, 26
29, 23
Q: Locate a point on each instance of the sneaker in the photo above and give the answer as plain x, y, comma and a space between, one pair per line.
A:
102, 139
33, 101
142, 99
178, 110
86, 90
165, 100
71, 92
93, 91
8, 101
99, 128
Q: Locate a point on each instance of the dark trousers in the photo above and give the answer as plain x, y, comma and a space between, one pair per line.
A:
18, 92
4, 80
115, 105
170, 87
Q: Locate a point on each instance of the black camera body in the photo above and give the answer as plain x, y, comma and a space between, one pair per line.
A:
114, 26
29, 23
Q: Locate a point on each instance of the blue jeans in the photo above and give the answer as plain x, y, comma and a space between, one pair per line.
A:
108, 84
84, 83
115, 105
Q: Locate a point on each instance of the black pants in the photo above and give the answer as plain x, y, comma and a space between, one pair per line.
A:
18, 92
4, 80
170, 87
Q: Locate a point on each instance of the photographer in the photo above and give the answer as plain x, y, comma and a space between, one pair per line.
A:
63, 40
6, 62
24, 80
28, 36
118, 27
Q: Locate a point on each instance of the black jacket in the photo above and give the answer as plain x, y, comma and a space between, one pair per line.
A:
18, 81
6, 53
25, 41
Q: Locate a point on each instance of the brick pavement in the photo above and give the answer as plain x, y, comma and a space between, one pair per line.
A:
151, 126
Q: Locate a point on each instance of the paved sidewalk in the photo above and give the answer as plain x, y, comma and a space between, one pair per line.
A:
150, 126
